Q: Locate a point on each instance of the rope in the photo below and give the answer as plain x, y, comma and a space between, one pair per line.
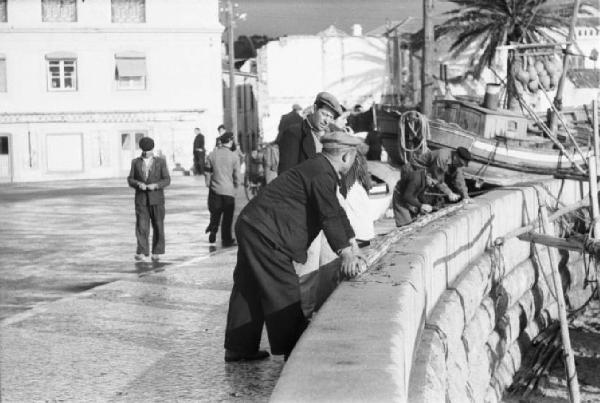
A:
424, 132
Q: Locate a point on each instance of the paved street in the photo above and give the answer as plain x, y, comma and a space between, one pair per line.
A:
59, 238
148, 334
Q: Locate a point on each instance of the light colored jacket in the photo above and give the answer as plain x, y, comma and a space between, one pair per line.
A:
224, 166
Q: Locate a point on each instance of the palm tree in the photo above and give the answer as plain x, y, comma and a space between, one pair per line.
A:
488, 24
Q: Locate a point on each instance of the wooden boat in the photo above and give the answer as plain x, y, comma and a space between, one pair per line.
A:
503, 150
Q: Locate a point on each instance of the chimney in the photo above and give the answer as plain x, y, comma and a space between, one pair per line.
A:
356, 30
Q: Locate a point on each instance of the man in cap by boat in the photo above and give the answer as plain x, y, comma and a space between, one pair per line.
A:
275, 229
446, 165
223, 171
300, 141
149, 176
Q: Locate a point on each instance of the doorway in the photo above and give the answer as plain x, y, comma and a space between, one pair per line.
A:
5, 159
130, 147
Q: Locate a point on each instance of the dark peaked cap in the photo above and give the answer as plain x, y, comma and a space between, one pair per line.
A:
146, 143
463, 154
329, 100
226, 137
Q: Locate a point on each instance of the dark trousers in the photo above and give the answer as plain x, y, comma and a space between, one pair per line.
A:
144, 215
220, 205
199, 157
265, 290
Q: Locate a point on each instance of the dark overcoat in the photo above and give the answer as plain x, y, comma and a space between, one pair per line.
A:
296, 145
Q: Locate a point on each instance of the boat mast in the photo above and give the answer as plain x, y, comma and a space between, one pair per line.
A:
426, 63
563, 76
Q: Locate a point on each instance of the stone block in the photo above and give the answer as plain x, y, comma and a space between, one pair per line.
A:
473, 284
448, 316
514, 285
428, 376
479, 328
458, 246
480, 373
458, 374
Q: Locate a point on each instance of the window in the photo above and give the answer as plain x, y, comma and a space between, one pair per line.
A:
3, 145
59, 10
131, 140
130, 71
3, 14
62, 72
512, 125
128, 11
2, 73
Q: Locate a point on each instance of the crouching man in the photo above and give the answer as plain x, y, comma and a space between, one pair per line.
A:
275, 229
409, 189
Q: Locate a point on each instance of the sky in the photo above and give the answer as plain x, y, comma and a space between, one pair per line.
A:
296, 17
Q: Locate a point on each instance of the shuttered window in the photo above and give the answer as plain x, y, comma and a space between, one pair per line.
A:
3, 85
130, 71
128, 11
59, 10
3, 14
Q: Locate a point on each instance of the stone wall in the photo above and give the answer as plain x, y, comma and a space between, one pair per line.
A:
440, 317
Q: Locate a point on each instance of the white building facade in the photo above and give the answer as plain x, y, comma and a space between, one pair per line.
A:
295, 69
81, 81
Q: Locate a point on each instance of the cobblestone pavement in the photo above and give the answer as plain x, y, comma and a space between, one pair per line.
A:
82, 322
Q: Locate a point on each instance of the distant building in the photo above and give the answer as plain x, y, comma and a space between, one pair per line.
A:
82, 81
294, 69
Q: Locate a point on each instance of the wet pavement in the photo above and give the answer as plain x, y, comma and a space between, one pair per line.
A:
83, 322
59, 238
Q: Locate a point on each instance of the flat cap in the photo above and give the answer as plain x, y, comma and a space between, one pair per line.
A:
329, 100
464, 154
340, 139
146, 144
226, 137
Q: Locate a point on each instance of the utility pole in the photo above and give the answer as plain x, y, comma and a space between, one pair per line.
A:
426, 61
561, 82
232, 89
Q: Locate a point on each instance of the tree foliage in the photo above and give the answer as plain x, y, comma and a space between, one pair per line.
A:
488, 24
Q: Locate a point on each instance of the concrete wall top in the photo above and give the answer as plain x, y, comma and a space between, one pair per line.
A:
360, 345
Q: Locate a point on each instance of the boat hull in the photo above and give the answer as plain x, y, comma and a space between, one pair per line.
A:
500, 154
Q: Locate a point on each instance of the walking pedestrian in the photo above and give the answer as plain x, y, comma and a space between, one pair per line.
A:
223, 166
149, 176
199, 152
273, 230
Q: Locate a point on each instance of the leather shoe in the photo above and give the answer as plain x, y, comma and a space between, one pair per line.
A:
233, 356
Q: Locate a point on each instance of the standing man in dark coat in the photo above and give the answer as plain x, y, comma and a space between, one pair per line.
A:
289, 119
199, 152
149, 176
300, 141
408, 191
274, 229
223, 168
